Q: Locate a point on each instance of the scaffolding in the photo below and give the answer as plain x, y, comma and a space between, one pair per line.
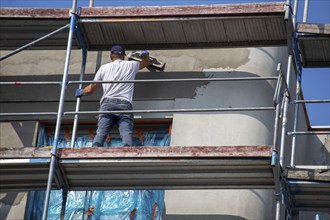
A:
267, 161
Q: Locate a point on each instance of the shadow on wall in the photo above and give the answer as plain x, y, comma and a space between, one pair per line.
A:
318, 150
236, 94
26, 132
18, 134
7, 200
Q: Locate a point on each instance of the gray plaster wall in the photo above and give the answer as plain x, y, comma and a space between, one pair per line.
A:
219, 204
12, 205
212, 129
16, 134
228, 129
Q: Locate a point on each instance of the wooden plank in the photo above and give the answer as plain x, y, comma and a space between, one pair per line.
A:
177, 11
313, 28
169, 152
26, 153
142, 152
309, 174
134, 11
33, 13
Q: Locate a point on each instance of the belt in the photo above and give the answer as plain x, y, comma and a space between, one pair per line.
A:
119, 101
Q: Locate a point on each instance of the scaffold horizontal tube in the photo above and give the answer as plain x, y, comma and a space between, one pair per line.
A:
309, 133
140, 111
30, 83
173, 110
144, 81
28, 114
312, 101
175, 80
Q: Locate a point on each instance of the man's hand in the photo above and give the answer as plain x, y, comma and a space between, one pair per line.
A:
79, 93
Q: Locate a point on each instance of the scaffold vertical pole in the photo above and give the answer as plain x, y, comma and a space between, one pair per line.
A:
99, 53
305, 16
285, 112
286, 101
295, 122
294, 17
60, 110
297, 97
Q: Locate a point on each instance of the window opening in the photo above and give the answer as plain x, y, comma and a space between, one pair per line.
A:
110, 204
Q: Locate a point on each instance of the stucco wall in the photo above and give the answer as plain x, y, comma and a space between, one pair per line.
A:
18, 134
239, 128
12, 205
227, 129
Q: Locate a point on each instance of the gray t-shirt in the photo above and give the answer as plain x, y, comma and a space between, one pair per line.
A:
118, 70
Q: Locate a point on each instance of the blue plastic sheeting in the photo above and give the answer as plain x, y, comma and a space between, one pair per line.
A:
108, 204
118, 205
151, 138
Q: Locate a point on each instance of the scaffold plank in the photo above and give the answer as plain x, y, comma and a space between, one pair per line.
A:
260, 24
192, 10
314, 43
180, 152
309, 188
139, 168
313, 28
308, 174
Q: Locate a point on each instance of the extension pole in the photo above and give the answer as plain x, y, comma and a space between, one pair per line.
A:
60, 111
75, 122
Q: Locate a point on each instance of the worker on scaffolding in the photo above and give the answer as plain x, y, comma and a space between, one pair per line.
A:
116, 96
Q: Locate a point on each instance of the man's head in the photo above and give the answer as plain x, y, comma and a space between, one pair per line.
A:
117, 52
